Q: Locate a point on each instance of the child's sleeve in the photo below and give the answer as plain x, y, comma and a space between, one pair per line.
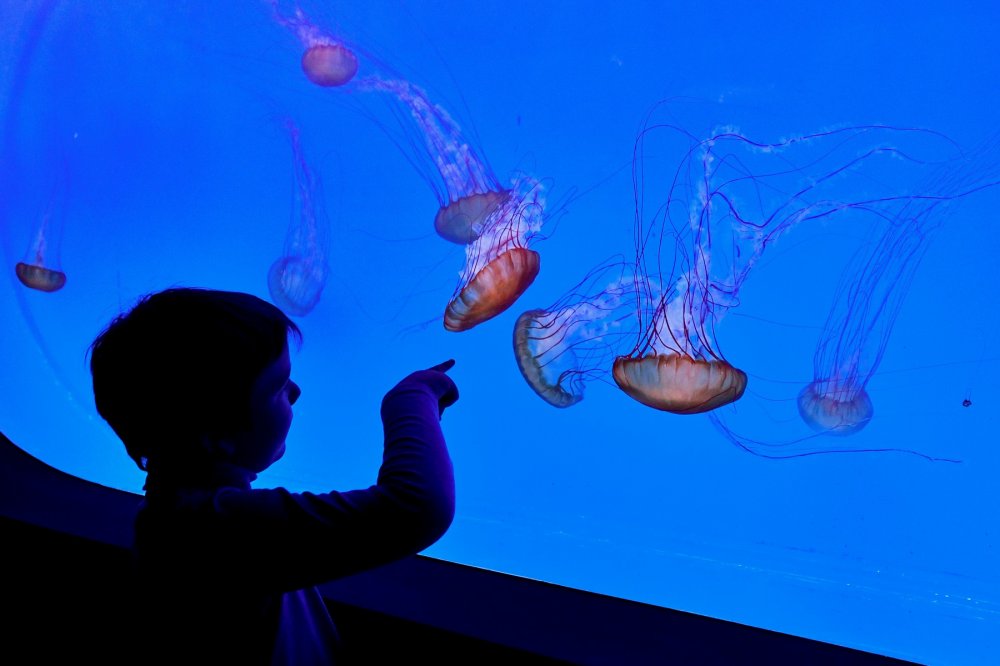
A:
293, 540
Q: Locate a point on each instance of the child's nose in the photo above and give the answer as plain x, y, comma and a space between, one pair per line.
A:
294, 394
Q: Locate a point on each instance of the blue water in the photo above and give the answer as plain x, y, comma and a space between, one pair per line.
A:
153, 138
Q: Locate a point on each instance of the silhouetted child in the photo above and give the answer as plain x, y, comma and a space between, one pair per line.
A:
196, 384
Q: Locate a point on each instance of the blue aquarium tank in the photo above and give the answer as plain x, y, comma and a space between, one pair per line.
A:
718, 277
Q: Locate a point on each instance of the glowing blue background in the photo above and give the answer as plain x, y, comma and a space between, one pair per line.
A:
169, 115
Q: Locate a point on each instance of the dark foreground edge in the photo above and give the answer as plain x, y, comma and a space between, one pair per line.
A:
66, 552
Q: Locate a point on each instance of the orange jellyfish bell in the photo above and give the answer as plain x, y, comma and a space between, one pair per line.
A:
39, 277
462, 221
679, 384
329, 65
493, 289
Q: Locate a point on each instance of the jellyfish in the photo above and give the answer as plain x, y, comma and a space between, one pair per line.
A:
39, 272
835, 406
471, 192
559, 349
874, 287
296, 279
901, 212
326, 61
728, 199
499, 266
39, 268
676, 368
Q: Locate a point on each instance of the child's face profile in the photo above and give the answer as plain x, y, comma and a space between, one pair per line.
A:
271, 400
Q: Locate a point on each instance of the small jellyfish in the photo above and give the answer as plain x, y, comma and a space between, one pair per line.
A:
499, 267
901, 207
874, 287
835, 408
471, 192
296, 279
325, 61
560, 348
36, 276
40, 268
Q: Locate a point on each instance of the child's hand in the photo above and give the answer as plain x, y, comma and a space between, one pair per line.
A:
440, 383
444, 367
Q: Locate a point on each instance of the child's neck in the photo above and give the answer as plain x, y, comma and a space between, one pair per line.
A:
217, 474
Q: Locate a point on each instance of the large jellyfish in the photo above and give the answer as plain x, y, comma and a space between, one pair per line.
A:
499, 266
559, 349
873, 289
728, 199
296, 279
326, 61
471, 193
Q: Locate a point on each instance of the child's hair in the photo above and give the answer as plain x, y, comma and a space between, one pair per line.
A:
180, 366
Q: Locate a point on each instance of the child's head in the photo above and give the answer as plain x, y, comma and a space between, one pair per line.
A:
186, 368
